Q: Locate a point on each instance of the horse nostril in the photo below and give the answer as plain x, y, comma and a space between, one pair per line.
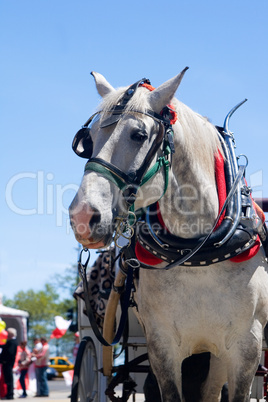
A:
95, 219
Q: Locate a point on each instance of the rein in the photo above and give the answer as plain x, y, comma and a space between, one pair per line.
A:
201, 241
82, 268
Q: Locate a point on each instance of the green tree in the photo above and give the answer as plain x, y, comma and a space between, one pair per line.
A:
42, 307
45, 304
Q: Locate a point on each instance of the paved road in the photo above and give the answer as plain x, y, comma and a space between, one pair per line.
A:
59, 392
54, 396
58, 396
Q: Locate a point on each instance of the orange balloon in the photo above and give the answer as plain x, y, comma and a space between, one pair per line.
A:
3, 337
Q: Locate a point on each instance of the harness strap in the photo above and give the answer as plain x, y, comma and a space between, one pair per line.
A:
82, 271
202, 241
161, 162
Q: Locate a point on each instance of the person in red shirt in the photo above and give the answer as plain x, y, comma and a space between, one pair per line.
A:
41, 365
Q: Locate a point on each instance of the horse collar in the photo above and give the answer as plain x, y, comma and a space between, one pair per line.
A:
155, 244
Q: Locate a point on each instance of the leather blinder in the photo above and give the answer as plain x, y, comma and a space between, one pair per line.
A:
82, 143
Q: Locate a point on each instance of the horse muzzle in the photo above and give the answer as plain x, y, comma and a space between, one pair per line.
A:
88, 228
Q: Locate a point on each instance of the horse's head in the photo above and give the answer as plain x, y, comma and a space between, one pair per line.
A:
123, 142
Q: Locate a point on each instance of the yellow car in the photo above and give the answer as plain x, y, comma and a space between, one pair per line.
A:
60, 364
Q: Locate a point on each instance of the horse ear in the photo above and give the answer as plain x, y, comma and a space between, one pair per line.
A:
103, 86
162, 95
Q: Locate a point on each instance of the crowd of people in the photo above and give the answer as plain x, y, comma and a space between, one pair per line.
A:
14, 355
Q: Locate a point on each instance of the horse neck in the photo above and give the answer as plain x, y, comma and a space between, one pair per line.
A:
190, 205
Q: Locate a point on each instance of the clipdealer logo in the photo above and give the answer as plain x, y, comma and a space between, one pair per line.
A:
47, 197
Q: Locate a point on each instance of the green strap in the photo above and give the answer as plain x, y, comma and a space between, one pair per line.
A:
104, 171
108, 174
162, 161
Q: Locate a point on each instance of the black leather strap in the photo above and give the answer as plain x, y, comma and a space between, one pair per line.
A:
82, 271
131, 90
196, 247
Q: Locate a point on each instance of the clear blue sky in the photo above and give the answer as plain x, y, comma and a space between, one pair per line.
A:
49, 47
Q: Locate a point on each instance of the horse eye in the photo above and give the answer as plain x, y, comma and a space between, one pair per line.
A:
138, 136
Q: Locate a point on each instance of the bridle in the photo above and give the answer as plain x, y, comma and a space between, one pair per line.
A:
129, 183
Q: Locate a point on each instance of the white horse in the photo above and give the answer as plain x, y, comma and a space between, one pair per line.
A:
187, 310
